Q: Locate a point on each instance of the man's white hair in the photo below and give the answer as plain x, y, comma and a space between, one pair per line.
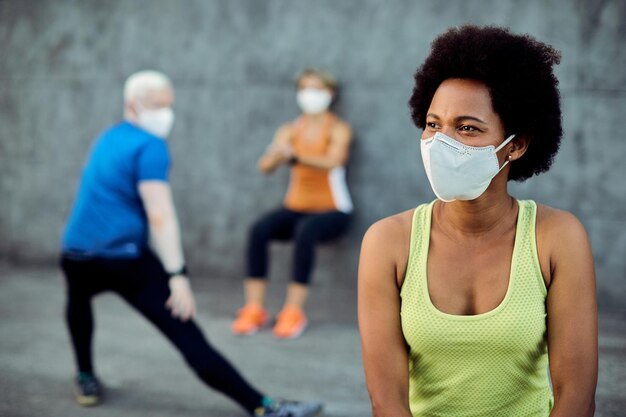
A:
142, 82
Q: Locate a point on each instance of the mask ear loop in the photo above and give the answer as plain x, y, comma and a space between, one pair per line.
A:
502, 145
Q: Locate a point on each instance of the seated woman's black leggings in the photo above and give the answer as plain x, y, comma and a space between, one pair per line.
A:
144, 285
306, 229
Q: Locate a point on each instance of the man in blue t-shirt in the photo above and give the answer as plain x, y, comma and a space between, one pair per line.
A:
108, 219
123, 236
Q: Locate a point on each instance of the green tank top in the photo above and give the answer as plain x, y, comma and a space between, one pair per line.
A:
490, 364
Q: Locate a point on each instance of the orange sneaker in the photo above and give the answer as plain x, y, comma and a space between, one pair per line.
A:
249, 320
290, 323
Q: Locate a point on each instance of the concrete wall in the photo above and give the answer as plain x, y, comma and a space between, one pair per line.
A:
62, 64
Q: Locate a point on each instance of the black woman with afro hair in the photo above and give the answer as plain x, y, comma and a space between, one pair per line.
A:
466, 302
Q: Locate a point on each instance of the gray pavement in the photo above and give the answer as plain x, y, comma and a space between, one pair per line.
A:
144, 376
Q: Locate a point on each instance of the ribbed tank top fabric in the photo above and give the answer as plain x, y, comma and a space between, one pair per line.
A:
313, 189
490, 364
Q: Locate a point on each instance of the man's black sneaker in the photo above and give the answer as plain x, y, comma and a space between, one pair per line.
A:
281, 408
87, 389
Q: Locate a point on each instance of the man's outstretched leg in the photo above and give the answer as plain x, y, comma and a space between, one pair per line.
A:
208, 364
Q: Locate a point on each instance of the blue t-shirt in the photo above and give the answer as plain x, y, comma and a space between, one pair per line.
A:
108, 219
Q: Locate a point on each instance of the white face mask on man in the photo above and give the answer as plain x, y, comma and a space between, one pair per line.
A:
313, 100
159, 122
457, 171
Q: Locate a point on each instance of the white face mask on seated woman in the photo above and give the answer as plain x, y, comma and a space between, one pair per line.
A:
457, 171
313, 100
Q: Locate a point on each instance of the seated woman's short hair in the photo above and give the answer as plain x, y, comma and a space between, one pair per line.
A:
325, 77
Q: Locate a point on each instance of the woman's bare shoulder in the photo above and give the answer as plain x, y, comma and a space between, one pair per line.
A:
341, 125
286, 127
394, 223
284, 133
562, 242
387, 244
391, 232
558, 224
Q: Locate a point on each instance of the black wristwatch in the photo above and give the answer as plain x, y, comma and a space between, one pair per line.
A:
181, 271
293, 160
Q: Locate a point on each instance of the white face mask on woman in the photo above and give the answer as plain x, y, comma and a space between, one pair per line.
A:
313, 100
159, 122
457, 171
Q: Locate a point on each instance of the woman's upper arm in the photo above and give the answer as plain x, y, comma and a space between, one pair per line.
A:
572, 311
385, 356
341, 137
282, 137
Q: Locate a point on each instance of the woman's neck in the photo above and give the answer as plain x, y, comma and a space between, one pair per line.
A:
476, 218
314, 118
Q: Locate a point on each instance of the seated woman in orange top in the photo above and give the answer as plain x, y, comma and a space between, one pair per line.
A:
316, 208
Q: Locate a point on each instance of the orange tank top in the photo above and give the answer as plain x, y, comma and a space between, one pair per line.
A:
314, 189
